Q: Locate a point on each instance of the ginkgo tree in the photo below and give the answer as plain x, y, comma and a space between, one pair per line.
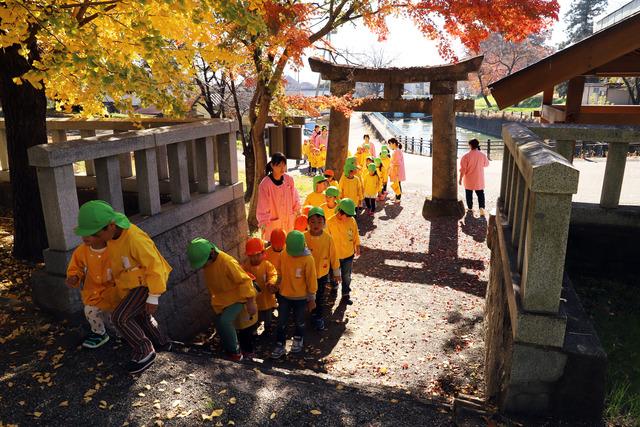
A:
76, 52
272, 34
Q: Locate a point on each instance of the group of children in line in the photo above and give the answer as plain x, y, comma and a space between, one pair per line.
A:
122, 274
315, 149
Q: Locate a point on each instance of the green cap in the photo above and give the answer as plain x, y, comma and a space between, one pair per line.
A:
351, 161
198, 252
94, 215
332, 191
370, 158
371, 167
315, 211
366, 146
347, 206
384, 148
295, 243
349, 167
318, 179
377, 161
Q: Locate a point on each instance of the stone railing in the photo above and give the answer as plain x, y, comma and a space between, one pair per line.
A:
210, 205
63, 129
618, 139
535, 355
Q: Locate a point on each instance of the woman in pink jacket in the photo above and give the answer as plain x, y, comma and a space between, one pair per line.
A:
396, 172
278, 199
472, 167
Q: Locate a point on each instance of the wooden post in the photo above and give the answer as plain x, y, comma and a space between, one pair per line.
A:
444, 141
613, 175
574, 99
339, 129
393, 90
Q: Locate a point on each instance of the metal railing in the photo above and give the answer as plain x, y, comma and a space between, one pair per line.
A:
424, 147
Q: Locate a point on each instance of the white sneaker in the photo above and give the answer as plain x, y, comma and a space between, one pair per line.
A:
482, 212
296, 346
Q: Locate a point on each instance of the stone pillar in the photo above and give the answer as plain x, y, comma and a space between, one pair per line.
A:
566, 148
204, 165
126, 168
613, 175
108, 181
147, 181
191, 161
178, 174
59, 135
227, 159
89, 167
163, 162
338, 129
444, 200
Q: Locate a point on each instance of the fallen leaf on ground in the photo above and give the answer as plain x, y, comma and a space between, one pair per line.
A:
64, 403
214, 413
316, 412
233, 400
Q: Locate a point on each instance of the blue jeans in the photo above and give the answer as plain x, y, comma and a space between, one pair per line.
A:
346, 265
285, 305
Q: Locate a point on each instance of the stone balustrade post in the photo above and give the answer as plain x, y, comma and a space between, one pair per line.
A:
147, 180
178, 172
107, 171
59, 205
4, 152
518, 211
613, 175
163, 162
59, 135
566, 148
191, 161
126, 167
205, 161
89, 166
227, 159
545, 250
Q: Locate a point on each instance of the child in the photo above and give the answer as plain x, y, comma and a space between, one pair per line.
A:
365, 171
301, 224
344, 230
372, 147
324, 254
266, 277
274, 252
386, 164
381, 172
371, 187
331, 195
396, 173
323, 158
330, 175
351, 185
297, 292
316, 198
230, 287
90, 266
140, 274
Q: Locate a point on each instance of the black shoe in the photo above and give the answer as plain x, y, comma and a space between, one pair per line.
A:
346, 299
165, 347
137, 367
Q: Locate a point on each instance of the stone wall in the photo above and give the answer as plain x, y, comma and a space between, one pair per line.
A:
185, 308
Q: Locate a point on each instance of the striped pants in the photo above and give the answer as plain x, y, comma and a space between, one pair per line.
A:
137, 326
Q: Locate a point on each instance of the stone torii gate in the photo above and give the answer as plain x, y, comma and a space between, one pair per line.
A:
442, 107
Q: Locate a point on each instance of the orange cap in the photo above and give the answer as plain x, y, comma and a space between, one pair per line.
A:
301, 223
254, 246
305, 211
278, 238
329, 172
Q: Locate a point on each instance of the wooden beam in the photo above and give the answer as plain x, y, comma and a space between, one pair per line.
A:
578, 59
574, 99
452, 72
553, 114
547, 96
393, 91
410, 105
627, 65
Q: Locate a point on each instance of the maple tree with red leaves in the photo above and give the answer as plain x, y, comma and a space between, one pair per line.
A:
275, 34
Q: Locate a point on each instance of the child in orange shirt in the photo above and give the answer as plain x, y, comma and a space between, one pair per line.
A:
90, 267
266, 277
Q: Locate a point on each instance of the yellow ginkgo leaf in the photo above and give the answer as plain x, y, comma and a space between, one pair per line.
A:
37, 414
64, 403
316, 412
273, 415
233, 400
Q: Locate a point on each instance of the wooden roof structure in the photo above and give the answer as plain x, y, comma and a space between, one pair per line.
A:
611, 52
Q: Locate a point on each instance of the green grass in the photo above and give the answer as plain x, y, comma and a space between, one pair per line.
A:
613, 307
526, 106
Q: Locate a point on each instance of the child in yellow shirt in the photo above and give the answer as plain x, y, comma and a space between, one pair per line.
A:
273, 253
371, 188
231, 289
297, 292
344, 230
385, 158
140, 274
330, 175
90, 267
266, 277
323, 251
316, 198
351, 184
331, 195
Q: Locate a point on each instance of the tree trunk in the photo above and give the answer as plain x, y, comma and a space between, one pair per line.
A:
258, 122
632, 89
482, 91
24, 110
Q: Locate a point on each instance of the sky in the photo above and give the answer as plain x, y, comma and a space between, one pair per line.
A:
406, 45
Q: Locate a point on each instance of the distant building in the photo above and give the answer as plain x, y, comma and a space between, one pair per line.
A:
616, 16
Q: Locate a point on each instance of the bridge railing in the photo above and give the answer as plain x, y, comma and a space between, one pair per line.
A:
57, 182
617, 140
64, 129
424, 147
